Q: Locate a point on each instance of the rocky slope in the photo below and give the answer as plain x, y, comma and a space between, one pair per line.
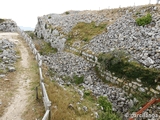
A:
122, 33
143, 43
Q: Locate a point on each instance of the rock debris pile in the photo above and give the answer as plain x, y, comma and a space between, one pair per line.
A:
7, 57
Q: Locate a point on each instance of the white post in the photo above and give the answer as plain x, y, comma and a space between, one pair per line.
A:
46, 115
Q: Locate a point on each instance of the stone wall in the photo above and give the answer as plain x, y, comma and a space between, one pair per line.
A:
127, 85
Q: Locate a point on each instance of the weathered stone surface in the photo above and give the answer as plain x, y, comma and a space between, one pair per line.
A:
8, 26
141, 89
11, 69
142, 43
158, 87
7, 56
67, 64
2, 76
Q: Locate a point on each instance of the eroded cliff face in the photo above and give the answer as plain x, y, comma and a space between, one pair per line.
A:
7, 25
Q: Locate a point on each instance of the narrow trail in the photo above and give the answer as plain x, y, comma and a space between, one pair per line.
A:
19, 102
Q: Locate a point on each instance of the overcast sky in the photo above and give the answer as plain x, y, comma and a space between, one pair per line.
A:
25, 12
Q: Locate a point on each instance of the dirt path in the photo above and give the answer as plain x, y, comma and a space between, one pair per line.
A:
19, 102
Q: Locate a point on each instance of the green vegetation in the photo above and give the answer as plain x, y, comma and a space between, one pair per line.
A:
75, 79
78, 79
96, 69
42, 36
31, 34
1, 60
1, 51
65, 101
144, 20
118, 62
49, 17
46, 48
106, 113
66, 12
43, 47
85, 31
142, 98
2, 20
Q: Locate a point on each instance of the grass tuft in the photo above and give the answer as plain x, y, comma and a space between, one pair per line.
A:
85, 31
144, 20
106, 107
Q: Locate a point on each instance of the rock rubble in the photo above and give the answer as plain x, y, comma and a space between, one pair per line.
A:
8, 26
7, 57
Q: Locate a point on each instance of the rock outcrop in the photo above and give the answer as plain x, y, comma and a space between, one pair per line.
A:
8, 25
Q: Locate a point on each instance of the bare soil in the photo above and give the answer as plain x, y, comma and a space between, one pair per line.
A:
19, 83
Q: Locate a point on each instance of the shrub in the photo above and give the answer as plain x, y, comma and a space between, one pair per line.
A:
87, 93
118, 62
111, 58
106, 113
2, 20
46, 48
66, 12
78, 79
31, 34
144, 20
103, 102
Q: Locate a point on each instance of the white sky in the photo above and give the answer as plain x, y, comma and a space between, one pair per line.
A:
25, 12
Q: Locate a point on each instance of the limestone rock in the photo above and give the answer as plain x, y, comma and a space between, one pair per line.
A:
11, 69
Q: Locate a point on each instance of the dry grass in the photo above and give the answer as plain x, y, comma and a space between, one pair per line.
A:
61, 98
8, 86
82, 33
34, 109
